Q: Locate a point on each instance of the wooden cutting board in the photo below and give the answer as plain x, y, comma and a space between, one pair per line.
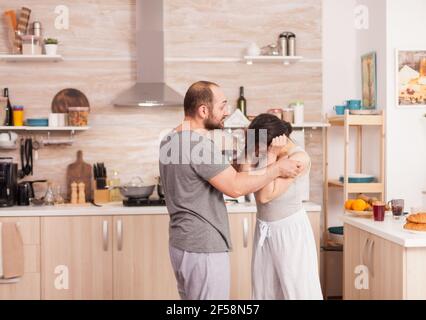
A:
80, 171
68, 98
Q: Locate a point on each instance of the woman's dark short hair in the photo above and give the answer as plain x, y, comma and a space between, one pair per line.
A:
198, 94
274, 128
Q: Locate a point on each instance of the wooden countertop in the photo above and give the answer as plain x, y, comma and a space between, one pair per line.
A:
116, 209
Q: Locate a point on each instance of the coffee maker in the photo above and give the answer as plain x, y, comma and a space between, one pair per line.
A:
8, 182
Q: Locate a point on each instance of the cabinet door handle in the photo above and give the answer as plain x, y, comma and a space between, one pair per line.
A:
105, 235
245, 232
370, 258
119, 235
364, 249
9, 281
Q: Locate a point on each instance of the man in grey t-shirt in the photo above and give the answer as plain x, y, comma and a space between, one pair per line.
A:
195, 175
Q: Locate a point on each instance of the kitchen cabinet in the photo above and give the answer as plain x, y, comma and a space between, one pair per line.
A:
142, 267
92, 257
76, 258
351, 260
27, 287
315, 220
384, 261
242, 233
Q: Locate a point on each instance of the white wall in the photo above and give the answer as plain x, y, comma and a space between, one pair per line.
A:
340, 62
373, 39
392, 24
406, 132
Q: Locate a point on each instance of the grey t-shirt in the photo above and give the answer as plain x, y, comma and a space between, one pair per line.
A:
198, 215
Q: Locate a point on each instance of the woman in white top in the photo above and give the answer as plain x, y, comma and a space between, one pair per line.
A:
284, 262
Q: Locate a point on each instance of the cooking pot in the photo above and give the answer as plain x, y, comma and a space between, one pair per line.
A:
136, 189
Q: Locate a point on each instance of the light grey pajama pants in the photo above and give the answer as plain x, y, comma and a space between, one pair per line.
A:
201, 276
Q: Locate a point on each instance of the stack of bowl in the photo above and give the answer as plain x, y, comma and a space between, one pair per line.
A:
350, 105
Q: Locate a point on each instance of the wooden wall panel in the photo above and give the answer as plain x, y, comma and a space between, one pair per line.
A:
127, 139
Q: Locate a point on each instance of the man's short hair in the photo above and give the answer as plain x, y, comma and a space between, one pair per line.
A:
198, 94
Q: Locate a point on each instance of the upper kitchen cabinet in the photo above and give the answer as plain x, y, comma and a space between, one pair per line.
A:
76, 258
142, 267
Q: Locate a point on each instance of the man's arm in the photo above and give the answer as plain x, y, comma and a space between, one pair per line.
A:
236, 184
280, 185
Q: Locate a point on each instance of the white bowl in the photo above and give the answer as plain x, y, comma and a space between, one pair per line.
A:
6, 137
336, 238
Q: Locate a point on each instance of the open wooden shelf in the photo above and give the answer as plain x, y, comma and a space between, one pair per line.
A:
352, 129
286, 60
357, 120
358, 187
30, 58
45, 129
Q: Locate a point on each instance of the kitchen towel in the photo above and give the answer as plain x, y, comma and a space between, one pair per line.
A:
12, 251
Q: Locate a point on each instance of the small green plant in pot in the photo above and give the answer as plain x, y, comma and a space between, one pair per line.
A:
51, 46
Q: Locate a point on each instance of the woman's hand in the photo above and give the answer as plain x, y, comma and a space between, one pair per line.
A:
277, 145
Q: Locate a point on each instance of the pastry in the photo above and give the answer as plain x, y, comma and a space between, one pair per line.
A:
417, 218
415, 226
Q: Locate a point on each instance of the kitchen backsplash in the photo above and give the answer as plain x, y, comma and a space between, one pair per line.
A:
99, 50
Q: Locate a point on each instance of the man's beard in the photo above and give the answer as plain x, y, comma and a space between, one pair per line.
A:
210, 124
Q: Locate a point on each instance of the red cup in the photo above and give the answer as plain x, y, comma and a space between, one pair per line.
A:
379, 209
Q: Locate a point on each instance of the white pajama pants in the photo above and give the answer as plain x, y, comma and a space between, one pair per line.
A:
285, 265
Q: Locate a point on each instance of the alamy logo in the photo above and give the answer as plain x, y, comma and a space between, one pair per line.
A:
62, 280
362, 17
62, 21
362, 278
209, 148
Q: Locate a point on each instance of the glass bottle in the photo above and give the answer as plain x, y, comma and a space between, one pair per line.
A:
242, 102
58, 197
114, 183
49, 198
8, 121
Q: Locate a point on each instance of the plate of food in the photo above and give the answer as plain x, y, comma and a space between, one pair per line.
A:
416, 223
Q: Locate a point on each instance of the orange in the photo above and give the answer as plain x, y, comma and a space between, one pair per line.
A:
349, 203
359, 205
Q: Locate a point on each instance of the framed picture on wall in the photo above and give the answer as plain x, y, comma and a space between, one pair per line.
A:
411, 78
369, 80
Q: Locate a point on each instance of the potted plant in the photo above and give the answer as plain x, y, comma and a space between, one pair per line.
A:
51, 46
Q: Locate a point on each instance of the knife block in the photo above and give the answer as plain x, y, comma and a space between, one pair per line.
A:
100, 195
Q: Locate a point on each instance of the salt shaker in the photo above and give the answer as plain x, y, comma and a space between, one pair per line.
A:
74, 195
81, 193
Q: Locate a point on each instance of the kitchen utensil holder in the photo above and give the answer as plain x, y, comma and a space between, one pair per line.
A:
49, 141
101, 196
100, 183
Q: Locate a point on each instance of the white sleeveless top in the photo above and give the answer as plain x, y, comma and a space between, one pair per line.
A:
287, 204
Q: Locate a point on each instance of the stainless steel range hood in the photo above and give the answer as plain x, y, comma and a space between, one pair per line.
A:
150, 89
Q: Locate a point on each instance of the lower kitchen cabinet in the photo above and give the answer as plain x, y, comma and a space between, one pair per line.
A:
374, 268
114, 257
142, 267
76, 258
27, 287
242, 232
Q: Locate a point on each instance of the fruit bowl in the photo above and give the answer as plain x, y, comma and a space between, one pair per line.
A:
366, 214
